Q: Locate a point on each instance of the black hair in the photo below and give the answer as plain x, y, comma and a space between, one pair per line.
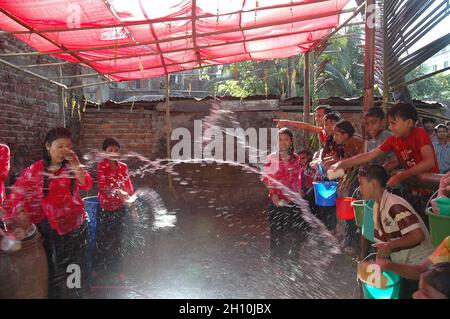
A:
289, 133
345, 127
375, 111
53, 135
111, 141
404, 111
438, 277
374, 172
307, 152
325, 107
332, 116
437, 127
428, 120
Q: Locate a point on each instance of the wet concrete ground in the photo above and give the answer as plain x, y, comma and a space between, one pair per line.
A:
219, 250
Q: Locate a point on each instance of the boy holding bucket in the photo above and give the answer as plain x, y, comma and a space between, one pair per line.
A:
327, 214
433, 272
413, 149
440, 255
375, 136
114, 189
344, 136
399, 232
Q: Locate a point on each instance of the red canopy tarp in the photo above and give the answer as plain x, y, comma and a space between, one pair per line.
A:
134, 39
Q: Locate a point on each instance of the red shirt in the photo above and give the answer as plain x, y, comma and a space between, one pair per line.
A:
109, 180
288, 173
407, 150
62, 207
4, 170
323, 137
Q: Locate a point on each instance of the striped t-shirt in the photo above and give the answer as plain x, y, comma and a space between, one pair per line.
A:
393, 219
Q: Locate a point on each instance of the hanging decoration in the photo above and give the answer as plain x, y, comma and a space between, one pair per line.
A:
85, 104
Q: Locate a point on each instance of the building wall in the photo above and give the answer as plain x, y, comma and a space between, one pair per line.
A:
29, 107
144, 130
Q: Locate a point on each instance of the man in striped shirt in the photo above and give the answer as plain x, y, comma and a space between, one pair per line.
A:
399, 231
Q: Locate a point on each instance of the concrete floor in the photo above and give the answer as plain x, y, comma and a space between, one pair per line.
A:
219, 249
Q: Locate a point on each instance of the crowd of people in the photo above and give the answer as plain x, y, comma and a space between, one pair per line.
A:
376, 166
45, 199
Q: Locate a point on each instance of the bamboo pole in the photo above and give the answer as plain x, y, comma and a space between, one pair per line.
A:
44, 64
306, 97
62, 109
386, 70
168, 127
194, 31
86, 75
369, 57
86, 85
60, 46
32, 74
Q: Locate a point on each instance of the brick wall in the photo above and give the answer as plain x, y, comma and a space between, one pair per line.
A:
29, 107
133, 130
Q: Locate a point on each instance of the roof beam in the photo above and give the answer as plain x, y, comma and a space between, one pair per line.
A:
32, 73
17, 20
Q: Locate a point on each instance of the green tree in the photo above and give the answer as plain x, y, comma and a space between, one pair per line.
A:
435, 87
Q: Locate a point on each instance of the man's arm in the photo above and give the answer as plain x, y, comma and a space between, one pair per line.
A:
425, 165
299, 125
408, 240
405, 270
358, 159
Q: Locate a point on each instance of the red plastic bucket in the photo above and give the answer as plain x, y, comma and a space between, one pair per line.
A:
344, 208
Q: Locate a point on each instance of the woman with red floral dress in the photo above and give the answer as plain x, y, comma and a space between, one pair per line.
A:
47, 193
282, 175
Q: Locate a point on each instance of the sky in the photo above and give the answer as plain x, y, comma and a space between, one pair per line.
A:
438, 31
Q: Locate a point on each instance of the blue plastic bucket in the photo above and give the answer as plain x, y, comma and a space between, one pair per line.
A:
367, 226
391, 291
325, 193
91, 206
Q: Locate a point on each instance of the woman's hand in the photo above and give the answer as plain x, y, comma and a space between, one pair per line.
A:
329, 163
275, 199
19, 224
122, 195
73, 160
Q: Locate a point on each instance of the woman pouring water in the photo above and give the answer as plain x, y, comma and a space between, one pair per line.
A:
114, 190
282, 172
48, 193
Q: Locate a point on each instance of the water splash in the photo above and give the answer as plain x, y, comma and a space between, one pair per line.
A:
319, 250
